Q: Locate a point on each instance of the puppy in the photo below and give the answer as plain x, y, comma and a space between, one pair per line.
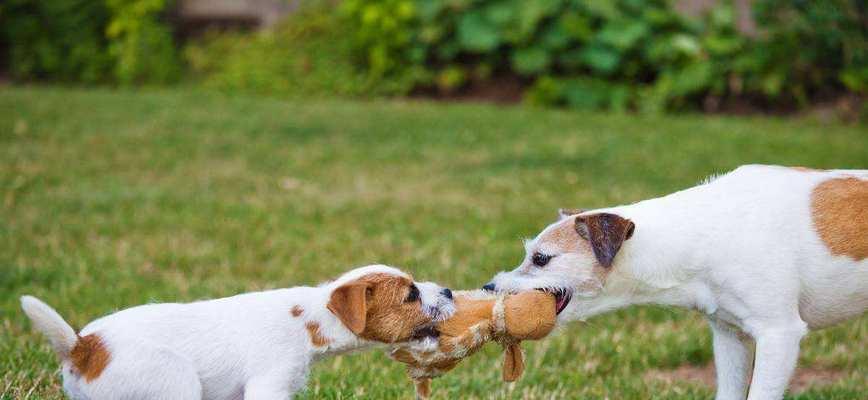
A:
254, 346
766, 252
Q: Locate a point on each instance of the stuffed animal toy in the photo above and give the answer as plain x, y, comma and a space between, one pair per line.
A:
479, 317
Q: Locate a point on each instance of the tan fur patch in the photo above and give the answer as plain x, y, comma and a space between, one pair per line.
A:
839, 208
316, 336
296, 310
804, 169
565, 237
387, 316
89, 357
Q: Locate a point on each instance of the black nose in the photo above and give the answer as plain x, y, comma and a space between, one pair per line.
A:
446, 293
488, 287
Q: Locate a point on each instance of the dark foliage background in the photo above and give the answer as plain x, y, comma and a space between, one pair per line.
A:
587, 54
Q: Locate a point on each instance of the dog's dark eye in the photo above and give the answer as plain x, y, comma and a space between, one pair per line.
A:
540, 259
413, 295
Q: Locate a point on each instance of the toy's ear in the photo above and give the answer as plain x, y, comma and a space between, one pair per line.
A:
513, 362
348, 303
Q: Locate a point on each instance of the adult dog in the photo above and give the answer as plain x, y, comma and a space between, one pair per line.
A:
766, 252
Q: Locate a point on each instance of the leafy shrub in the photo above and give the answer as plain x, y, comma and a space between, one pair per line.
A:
55, 39
383, 38
308, 54
614, 54
585, 54
809, 46
88, 41
141, 46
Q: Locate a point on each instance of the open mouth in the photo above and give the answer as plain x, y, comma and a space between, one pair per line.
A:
562, 298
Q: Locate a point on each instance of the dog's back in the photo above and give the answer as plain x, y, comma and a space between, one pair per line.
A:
796, 229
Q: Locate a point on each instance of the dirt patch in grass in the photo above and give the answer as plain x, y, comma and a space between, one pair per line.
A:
500, 90
805, 377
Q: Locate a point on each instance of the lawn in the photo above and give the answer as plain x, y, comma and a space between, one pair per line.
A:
110, 199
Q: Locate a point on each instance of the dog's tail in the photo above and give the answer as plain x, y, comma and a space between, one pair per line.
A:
59, 333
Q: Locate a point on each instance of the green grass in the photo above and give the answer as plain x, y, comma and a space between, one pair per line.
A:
110, 199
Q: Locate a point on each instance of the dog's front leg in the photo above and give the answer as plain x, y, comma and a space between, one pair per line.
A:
777, 352
732, 358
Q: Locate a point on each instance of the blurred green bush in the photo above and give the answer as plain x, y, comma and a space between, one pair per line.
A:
587, 54
616, 54
809, 46
308, 54
89, 41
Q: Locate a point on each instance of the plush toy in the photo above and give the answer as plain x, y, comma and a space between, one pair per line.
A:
479, 317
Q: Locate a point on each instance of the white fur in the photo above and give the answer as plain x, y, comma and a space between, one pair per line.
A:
51, 324
740, 248
246, 346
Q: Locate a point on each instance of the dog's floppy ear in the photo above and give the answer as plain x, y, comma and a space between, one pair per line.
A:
349, 304
568, 212
606, 232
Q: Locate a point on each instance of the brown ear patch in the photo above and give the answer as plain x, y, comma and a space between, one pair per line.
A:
296, 310
606, 233
316, 336
349, 304
839, 209
89, 357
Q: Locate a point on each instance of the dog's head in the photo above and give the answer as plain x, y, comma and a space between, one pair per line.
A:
572, 256
383, 304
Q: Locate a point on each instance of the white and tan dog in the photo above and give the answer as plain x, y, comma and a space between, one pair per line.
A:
766, 252
255, 346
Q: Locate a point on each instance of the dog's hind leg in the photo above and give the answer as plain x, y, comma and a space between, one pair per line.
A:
144, 371
777, 352
732, 361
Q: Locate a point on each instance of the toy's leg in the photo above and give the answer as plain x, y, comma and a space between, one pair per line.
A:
423, 388
732, 359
